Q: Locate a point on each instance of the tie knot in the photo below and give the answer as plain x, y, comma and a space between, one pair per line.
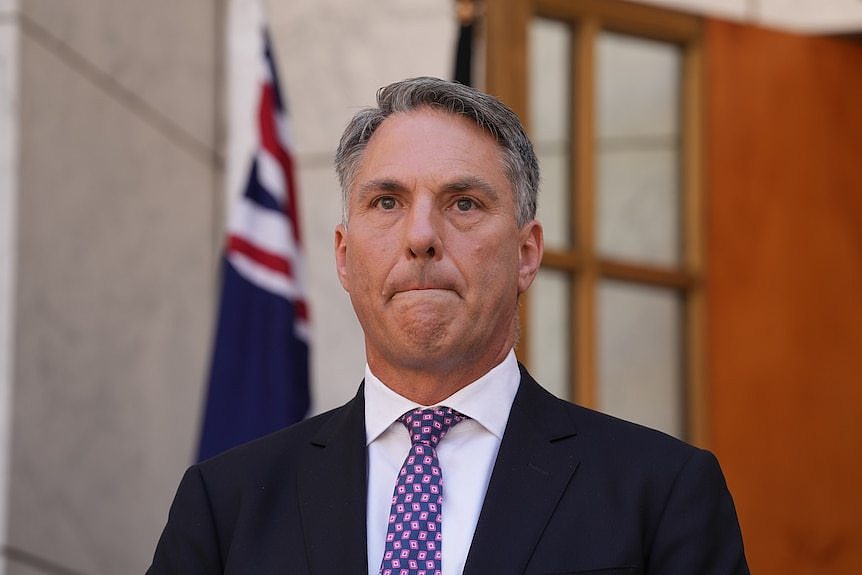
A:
428, 426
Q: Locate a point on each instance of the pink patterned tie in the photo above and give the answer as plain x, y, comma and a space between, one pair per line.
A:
414, 539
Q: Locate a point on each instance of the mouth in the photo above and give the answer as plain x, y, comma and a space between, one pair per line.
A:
422, 290
424, 283
424, 293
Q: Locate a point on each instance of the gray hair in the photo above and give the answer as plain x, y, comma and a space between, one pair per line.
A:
494, 117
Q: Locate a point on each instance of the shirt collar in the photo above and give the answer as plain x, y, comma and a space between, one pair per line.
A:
487, 400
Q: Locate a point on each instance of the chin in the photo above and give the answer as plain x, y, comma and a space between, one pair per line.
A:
425, 336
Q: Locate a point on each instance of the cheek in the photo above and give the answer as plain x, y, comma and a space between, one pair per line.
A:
369, 264
494, 264
501, 249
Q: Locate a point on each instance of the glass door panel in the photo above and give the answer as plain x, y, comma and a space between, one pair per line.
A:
550, 125
638, 149
640, 367
551, 331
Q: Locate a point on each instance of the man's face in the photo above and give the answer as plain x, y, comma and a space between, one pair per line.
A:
432, 256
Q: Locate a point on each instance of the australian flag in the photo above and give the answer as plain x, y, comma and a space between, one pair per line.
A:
259, 375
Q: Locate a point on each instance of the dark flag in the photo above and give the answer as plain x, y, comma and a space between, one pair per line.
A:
259, 379
466, 13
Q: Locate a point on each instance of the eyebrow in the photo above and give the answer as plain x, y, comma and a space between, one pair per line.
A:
455, 186
382, 185
472, 183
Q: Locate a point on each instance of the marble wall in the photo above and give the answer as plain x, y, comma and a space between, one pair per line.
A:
8, 209
822, 16
115, 275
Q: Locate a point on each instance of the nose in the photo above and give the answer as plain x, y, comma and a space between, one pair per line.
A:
422, 231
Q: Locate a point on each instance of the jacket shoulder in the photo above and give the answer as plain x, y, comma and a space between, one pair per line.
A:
606, 437
280, 451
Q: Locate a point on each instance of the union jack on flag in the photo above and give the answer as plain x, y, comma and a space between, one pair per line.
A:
259, 374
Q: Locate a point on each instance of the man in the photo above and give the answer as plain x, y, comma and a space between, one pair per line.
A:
438, 240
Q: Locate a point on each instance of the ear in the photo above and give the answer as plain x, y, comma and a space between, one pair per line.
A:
341, 256
532, 246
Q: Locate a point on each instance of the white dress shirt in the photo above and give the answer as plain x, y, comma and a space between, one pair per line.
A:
467, 454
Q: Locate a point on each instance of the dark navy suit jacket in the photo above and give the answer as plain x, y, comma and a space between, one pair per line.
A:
572, 491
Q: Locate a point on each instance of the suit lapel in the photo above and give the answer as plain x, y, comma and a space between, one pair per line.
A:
533, 468
333, 491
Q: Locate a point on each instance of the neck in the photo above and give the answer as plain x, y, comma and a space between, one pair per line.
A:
431, 385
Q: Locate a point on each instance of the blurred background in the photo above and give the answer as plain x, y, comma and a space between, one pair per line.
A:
702, 201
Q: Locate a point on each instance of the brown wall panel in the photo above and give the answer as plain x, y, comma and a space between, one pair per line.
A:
784, 159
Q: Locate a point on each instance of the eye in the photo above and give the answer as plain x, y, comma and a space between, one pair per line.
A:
386, 203
465, 204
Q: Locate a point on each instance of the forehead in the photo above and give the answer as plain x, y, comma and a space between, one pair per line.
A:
433, 143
